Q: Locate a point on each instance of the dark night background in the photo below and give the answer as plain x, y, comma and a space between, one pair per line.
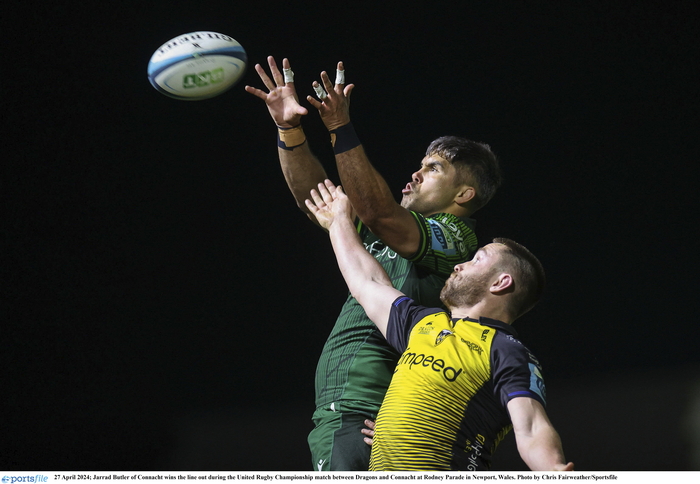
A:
164, 302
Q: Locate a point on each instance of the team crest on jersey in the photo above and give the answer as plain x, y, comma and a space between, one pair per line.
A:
443, 334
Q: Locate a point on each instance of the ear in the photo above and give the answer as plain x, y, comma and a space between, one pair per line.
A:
464, 194
503, 284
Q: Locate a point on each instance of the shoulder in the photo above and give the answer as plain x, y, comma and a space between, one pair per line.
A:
516, 369
447, 234
507, 345
405, 315
407, 309
448, 222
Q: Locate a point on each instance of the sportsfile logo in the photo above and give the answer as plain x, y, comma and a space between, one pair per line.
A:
13, 479
202, 79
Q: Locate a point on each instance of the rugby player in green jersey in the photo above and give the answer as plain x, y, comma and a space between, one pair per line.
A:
417, 241
463, 379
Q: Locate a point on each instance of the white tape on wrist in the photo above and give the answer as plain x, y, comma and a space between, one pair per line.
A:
339, 76
288, 75
320, 92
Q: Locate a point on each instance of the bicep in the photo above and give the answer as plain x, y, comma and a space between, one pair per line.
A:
398, 230
528, 416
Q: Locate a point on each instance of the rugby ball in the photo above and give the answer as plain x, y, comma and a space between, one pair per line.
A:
196, 66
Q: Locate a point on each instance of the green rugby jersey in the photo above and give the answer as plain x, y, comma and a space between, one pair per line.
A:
446, 408
356, 365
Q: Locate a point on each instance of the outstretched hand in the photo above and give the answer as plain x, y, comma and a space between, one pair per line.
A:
334, 99
282, 100
329, 203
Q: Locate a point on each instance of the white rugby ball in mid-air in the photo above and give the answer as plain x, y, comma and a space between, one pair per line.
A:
196, 66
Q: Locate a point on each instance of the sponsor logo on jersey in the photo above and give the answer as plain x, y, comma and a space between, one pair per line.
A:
475, 448
472, 346
439, 234
428, 362
514, 340
442, 236
537, 382
533, 359
455, 236
379, 249
484, 334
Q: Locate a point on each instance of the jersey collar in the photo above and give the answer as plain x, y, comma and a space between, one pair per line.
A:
491, 323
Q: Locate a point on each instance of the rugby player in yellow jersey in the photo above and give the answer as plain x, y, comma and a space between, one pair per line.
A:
464, 380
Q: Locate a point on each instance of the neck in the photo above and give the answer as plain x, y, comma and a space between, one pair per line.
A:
482, 310
456, 210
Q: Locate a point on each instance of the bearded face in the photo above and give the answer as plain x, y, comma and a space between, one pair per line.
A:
462, 289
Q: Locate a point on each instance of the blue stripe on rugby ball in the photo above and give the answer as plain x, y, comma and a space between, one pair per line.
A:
155, 68
233, 51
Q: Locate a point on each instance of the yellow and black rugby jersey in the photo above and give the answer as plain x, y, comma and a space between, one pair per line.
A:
446, 407
356, 364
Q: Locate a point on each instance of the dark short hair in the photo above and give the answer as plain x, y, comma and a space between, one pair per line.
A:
528, 275
475, 163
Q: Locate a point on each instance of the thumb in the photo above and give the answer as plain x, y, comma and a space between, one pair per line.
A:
348, 90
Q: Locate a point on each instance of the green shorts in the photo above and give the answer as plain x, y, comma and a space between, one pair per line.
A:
337, 443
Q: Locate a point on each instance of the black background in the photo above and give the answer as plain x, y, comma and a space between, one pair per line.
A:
164, 302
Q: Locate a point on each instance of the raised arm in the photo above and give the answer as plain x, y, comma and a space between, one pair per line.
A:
538, 442
300, 167
366, 188
365, 277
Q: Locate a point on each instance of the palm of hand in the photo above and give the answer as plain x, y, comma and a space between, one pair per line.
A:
284, 106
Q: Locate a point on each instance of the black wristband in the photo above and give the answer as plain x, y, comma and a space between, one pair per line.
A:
344, 139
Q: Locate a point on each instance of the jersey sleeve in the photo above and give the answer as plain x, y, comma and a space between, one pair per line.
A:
445, 240
516, 371
405, 314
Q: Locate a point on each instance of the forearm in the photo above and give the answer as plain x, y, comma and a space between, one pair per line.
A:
365, 277
357, 266
538, 442
372, 199
369, 192
542, 451
302, 171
